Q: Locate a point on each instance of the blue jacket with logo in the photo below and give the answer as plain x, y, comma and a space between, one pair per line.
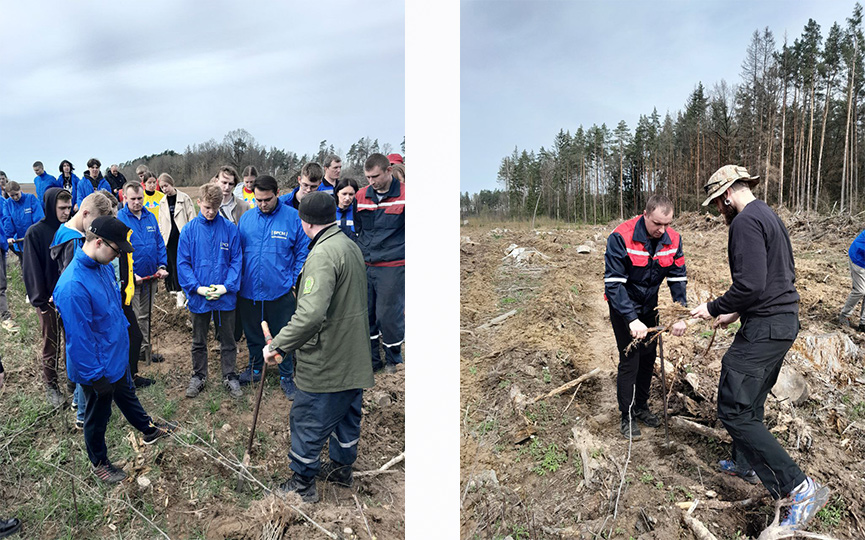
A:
97, 342
149, 246
21, 214
85, 188
208, 253
43, 182
274, 249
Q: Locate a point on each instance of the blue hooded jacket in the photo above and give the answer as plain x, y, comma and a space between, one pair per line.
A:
208, 253
43, 182
21, 214
274, 249
149, 246
85, 188
97, 342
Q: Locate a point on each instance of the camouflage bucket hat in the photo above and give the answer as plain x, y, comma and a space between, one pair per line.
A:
724, 178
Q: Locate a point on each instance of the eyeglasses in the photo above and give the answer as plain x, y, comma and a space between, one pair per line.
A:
114, 249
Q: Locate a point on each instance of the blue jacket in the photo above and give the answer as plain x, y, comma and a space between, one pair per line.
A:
274, 249
345, 219
857, 250
73, 189
208, 253
289, 200
5, 225
149, 246
21, 215
85, 188
43, 182
88, 299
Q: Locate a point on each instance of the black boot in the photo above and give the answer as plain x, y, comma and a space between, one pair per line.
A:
645, 416
9, 526
305, 487
630, 429
336, 472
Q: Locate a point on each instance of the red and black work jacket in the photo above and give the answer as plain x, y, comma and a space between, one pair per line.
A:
634, 269
380, 225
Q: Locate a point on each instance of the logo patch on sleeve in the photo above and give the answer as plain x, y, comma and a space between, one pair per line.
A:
308, 285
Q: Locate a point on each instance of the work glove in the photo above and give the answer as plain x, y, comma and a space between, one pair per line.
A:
203, 291
103, 387
216, 291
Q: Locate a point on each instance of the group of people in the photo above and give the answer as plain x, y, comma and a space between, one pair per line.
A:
323, 265
644, 251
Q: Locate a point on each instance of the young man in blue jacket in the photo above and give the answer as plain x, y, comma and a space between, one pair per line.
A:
43, 181
5, 315
92, 181
97, 344
208, 269
274, 249
151, 259
309, 180
22, 211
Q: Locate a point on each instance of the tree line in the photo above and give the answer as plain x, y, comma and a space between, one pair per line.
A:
199, 162
794, 119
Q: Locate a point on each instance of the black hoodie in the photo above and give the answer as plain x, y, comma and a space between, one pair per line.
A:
39, 269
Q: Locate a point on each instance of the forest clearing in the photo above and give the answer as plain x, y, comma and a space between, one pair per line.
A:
184, 486
544, 459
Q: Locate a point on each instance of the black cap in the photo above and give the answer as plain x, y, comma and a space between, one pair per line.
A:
112, 229
318, 208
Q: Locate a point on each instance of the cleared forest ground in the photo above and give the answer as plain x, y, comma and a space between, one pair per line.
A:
191, 490
558, 468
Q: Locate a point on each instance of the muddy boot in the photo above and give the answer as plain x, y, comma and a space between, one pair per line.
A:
305, 487
337, 473
630, 429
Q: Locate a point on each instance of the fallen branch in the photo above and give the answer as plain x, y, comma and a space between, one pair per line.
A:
723, 505
360, 509
498, 320
700, 429
700, 531
566, 386
384, 468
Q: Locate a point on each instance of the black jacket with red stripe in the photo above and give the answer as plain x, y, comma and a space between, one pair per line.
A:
380, 225
635, 267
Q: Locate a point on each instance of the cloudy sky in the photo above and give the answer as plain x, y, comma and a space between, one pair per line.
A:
531, 68
119, 80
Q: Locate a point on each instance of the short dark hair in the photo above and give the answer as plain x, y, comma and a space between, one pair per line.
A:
376, 160
250, 170
312, 171
93, 162
659, 201
230, 171
134, 186
13, 186
147, 176
328, 161
71, 168
266, 183
38, 164
64, 196
344, 183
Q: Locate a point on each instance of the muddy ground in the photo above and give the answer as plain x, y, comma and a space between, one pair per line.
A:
192, 490
558, 467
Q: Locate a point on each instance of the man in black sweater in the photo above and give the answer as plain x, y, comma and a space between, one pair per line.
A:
763, 294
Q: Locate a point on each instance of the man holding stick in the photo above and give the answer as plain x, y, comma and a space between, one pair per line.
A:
329, 332
763, 294
641, 253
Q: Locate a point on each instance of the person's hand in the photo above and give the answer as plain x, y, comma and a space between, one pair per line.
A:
701, 312
272, 358
679, 328
138, 280
203, 291
162, 273
10, 241
638, 329
103, 387
725, 319
216, 291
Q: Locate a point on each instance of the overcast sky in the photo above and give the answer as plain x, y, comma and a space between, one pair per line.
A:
119, 80
531, 68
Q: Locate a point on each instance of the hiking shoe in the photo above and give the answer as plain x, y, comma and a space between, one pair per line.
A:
247, 376
157, 358
55, 398
843, 321
79, 424
630, 429
728, 466
288, 388
196, 385
162, 429
233, 386
142, 382
9, 527
806, 504
646, 417
109, 474
390, 369
305, 487
337, 473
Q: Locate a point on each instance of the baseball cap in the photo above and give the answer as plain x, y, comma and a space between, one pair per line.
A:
394, 158
112, 229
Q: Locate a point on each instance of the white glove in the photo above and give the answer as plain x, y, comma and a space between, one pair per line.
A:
203, 291
216, 291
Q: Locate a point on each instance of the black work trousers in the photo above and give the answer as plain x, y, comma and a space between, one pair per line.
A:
749, 370
635, 367
135, 338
